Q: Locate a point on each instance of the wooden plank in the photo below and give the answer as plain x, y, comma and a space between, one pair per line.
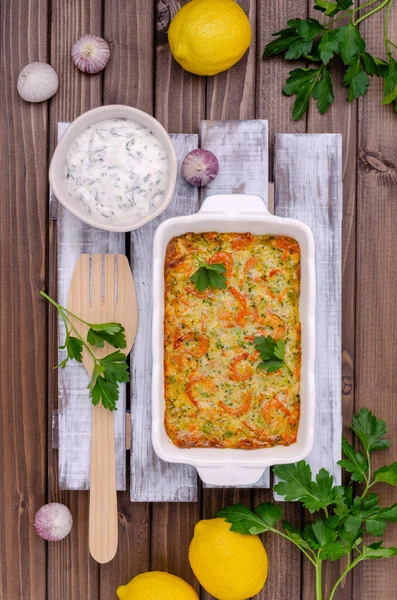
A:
171, 539
272, 73
23, 255
153, 480
272, 105
77, 93
231, 94
128, 79
341, 118
308, 186
74, 406
180, 96
376, 317
242, 150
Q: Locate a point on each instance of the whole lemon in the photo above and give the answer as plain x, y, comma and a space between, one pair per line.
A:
156, 586
209, 36
229, 565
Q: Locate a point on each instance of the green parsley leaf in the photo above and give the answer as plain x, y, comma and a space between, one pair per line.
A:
272, 353
116, 367
308, 29
370, 430
351, 43
243, 520
301, 82
350, 538
332, 8
374, 551
112, 333
387, 474
390, 86
355, 462
74, 348
283, 43
297, 49
269, 513
108, 372
356, 80
209, 276
105, 391
296, 484
329, 45
323, 91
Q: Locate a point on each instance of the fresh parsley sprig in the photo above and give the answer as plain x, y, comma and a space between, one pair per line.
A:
319, 43
209, 276
341, 518
108, 371
272, 353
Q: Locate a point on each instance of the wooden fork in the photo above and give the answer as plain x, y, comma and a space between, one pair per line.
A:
102, 290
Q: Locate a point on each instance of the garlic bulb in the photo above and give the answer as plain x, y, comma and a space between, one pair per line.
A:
37, 82
90, 53
53, 521
200, 167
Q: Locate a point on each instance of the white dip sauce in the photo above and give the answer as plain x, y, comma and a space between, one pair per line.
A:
117, 168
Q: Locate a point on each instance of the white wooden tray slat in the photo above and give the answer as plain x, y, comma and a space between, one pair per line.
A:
308, 186
242, 151
153, 480
74, 405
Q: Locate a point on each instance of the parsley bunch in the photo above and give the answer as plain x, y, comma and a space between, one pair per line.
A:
319, 43
341, 516
109, 370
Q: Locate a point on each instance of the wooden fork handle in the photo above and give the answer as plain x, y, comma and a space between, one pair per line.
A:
103, 521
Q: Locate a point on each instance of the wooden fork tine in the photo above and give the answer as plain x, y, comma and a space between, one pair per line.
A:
110, 272
96, 283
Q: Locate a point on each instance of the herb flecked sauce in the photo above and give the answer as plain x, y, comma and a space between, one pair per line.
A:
117, 168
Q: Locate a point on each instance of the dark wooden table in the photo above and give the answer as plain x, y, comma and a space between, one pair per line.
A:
141, 73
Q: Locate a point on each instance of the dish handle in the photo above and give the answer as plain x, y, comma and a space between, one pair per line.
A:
230, 475
234, 205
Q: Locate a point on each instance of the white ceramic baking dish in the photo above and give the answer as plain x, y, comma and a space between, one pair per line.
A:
237, 213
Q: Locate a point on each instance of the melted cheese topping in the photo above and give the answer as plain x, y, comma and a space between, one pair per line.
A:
215, 394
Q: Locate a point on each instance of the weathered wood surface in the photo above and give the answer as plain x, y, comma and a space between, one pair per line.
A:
376, 285
23, 256
151, 478
308, 186
180, 100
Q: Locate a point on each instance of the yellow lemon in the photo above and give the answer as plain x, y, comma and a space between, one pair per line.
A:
229, 565
156, 586
209, 36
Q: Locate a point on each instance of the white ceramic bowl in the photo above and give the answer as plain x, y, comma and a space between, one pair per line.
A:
237, 213
58, 173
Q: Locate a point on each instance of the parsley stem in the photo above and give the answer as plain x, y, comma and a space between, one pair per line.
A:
67, 321
312, 560
385, 30
373, 11
319, 582
343, 575
60, 307
351, 12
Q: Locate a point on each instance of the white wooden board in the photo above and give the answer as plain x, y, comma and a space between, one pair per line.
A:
308, 186
153, 480
242, 151
74, 405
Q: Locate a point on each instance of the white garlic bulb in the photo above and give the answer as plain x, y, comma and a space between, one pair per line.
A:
53, 521
37, 82
90, 53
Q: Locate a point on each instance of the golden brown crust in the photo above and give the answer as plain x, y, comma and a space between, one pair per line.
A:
215, 395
